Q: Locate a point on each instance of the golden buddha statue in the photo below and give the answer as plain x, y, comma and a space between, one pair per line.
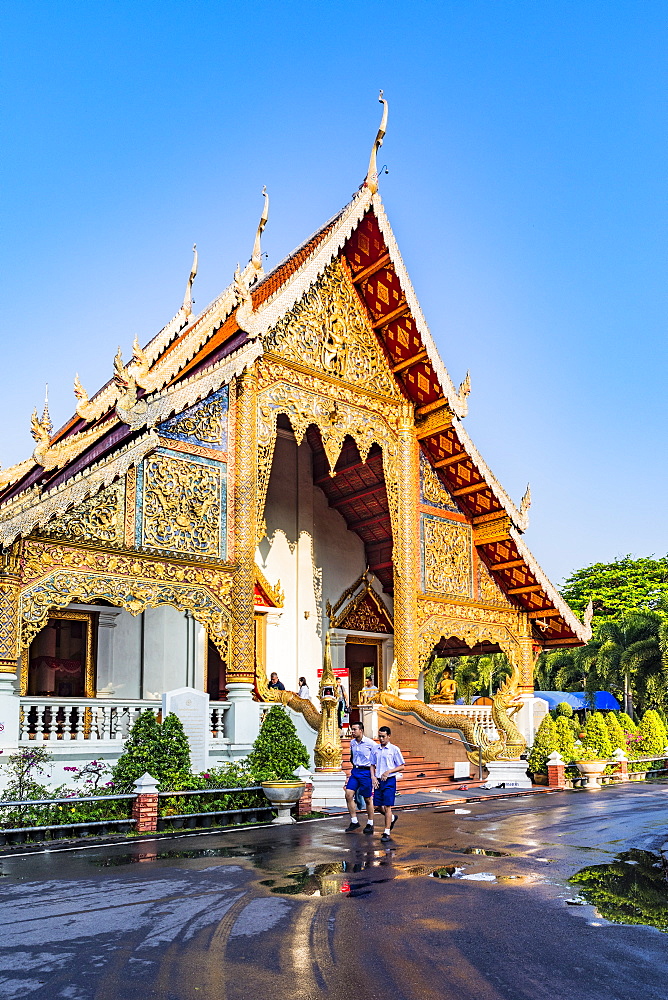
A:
446, 691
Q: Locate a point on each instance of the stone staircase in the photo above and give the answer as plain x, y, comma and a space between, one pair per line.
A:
419, 775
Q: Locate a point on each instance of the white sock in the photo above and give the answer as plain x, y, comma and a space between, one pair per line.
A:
354, 819
387, 829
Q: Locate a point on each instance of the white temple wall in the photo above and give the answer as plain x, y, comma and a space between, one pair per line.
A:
309, 548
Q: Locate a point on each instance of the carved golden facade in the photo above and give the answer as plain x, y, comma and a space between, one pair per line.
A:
447, 557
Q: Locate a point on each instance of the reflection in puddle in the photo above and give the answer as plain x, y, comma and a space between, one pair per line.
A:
487, 853
631, 890
211, 852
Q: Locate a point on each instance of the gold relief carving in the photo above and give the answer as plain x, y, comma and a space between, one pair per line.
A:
207, 424
307, 400
433, 490
364, 611
430, 608
242, 662
275, 594
9, 625
327, 330
406, 551
447, 556
99, 518
488, 588
130, 507
40, 558
491, 531
181, 505
132, 593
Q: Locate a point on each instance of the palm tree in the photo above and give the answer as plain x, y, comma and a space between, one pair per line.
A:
628, 651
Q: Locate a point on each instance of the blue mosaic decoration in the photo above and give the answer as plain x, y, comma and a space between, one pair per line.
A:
204, 424
182, 504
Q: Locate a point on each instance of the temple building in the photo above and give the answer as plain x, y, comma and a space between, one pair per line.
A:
292, 460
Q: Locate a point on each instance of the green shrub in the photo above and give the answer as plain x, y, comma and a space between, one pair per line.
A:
626, 722
545, 743
565, 738
234, 775
277, 751
596, 737
22, 770
615, 732
651, 735
160, 750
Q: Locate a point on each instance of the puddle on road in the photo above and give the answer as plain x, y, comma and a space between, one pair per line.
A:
211, 852
632, 889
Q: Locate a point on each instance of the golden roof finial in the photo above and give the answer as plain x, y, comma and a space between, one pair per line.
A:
525, 503
188, 298
256, 259
371, 181
46, 419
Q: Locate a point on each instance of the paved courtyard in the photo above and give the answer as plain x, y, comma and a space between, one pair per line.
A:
308, 912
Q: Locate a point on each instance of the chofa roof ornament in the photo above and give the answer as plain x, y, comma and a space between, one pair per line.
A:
371, 181
256, 258
188, 297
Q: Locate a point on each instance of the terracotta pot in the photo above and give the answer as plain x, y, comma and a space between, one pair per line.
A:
283, 795
591, 770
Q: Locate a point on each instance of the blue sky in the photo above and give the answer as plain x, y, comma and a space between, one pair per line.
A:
527, 156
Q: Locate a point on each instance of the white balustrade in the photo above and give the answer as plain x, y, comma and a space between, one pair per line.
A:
218, 710
480, 714
67, 720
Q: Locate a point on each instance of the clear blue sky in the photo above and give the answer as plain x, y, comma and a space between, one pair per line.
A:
527, 156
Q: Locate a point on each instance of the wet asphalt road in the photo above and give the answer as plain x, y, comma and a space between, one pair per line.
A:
341, 916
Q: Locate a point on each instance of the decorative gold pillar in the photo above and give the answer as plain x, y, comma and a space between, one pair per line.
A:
241, 668
10, 643
406, 555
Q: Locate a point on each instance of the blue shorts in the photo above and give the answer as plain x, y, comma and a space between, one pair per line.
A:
361, 779
385, 793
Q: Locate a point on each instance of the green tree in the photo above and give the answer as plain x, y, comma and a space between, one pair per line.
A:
596, 737
277, 751
174, 752
618, 588
544, 744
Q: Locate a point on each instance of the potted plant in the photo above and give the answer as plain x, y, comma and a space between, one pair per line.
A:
590, 765
276, 753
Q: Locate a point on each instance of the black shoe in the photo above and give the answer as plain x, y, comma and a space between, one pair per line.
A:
352, 828
385, 838
394, 820
368, 829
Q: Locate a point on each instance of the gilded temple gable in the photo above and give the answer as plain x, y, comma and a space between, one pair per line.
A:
328, 331
202, 425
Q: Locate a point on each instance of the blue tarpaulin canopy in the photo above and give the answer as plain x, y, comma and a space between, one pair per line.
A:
603, 700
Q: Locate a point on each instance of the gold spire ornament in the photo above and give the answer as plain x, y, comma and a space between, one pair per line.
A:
46, 419
256, 258
526, 501
188, 297
327, 751
371, 181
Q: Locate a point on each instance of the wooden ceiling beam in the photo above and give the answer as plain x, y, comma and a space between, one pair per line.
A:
337, 501
409, 362
536, 588
474, 488
511, 564
547, 613
423, 411
390, 317
366, 522
377, 265
443, 463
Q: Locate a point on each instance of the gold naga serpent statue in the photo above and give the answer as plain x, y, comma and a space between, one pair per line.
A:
507, 701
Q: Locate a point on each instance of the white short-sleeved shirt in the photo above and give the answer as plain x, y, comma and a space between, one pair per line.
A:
387, 758
363, 753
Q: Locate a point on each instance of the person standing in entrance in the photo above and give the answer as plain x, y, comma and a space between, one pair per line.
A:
362, 777
388, 760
